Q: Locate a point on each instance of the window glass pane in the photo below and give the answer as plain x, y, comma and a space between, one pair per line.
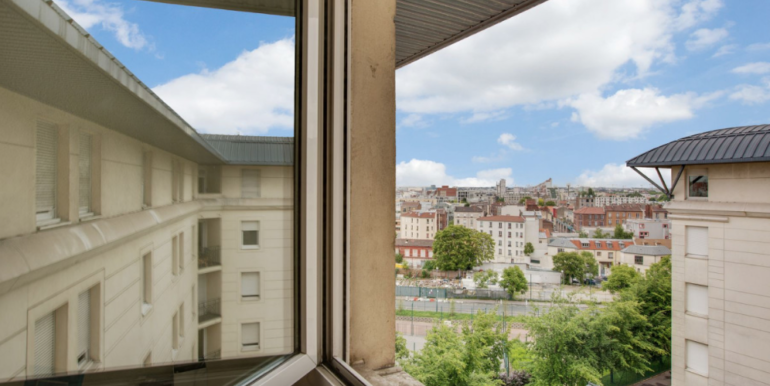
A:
699, 186
175, 125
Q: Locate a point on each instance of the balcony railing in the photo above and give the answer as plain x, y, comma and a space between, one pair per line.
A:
211, 355
209, 309
209, 257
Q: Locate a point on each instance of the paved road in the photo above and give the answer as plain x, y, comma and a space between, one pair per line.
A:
472, 306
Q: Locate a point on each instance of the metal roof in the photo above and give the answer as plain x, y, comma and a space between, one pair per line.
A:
248, 150
561, 243
731, 145
649, 250
426, 26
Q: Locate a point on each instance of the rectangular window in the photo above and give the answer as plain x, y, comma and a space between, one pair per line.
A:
84, 168
45, 345
697, 299
250, 285
175, 331
251, 186
146, 283
250, 233
249, 336
175, 255
696, 241
47, 149
84, 328
181, 320
639, 260
698, 186
697, 357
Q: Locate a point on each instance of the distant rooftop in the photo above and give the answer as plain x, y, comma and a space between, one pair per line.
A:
731, 145
649, 250
253, 150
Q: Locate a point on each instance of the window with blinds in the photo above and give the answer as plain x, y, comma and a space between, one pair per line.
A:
250, 285
84, 172
250, 336
250, 231
47, 144
251, 186
45, 344
84, 328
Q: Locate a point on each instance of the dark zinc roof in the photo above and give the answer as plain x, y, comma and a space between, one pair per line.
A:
251, 150
732, 145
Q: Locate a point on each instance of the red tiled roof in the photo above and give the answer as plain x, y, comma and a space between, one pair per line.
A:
624, 208
449, 192
502, 218
414, 243
590, 210
419, 215
601, 245
547, 232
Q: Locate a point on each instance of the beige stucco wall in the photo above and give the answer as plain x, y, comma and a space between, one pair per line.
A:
736, 271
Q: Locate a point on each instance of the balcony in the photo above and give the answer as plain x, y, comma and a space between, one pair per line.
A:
209, 312
209, 257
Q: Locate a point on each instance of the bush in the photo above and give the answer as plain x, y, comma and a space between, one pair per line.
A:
517, 378
424, 274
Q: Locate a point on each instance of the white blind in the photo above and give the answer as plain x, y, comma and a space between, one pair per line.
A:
697, 241
697, 357
45, 338
45, 179
697, 298
250, 183
250, 284
84, 165
250, 334
84, 326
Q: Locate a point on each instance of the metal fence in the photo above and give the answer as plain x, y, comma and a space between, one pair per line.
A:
209, 257
535, 293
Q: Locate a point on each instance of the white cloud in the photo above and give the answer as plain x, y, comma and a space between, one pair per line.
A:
249, 95
424, 173
509, 140
758, 47
753, 68
725, 50
485, 116
413, 120
705, 38
751, 94
562, 48
89, 13
627, 113
618, 175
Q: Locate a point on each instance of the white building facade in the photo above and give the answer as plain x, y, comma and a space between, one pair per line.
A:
649, 228
419, 225
508, 234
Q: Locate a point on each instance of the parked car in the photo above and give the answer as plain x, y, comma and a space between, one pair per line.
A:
589, 281
575, 281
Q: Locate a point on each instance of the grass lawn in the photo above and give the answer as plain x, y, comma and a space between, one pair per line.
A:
456, 316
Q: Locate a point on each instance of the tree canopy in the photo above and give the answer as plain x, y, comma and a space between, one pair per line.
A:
550, 203
484, 278
513, 281
599, 234
460, 248
621, 277
574, 265
621, 233
529, 249
583, 235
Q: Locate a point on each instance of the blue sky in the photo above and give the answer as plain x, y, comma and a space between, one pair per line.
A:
569, 90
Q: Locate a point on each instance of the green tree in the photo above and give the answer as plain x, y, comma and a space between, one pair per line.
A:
591, 266
620, 233
574, 265
529, 249
599, 234
653, 294
621, 277
484, 278
583, 235
513, 281
460, 248
540, 202
550, 203
399, 258
430, 265
519, 356
401, 351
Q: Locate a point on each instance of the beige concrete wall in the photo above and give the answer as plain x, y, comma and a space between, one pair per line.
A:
372, 118
735, 270
120, 166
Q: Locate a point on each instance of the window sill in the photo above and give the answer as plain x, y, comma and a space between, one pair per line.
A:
51, 224
696, 315
90, 217
699, 257
691, 371
249, 348
250, 247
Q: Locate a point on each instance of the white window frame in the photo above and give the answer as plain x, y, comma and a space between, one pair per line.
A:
250, 298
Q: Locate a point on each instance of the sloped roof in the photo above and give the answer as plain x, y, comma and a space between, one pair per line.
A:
468, 209
414, 243
252, 150
590, 210
561, 242
601, 244
502, 218
731, 145
649, 250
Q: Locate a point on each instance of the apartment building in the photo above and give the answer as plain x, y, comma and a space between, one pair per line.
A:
720, 216
607, 252
410, 207
444, 194
641, 257
419, 225
508, 233
619, 200
649, 228
415, 252
619, 214
588, 216
467, 216
584, 201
